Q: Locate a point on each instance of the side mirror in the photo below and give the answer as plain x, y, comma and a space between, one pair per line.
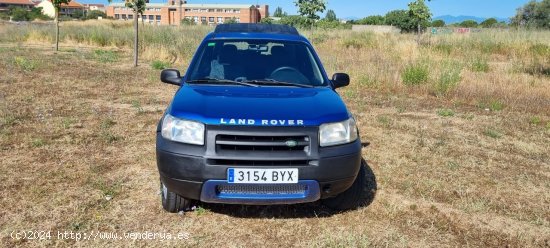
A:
340, 80
170, 76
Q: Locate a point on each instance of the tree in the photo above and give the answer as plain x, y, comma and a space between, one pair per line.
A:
438, 23
489, 23
468, 24
310, 8
187, 22
420, 14
78, 14
533, 14
295, 21
57, 5
331, 16
266, 20
400, 19
373, 20
138, 7
230, 21
19, 14
94, 14
279, 12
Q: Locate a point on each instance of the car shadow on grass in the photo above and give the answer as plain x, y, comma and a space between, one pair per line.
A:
305, 210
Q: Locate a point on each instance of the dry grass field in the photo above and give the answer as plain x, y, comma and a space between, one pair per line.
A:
459, 127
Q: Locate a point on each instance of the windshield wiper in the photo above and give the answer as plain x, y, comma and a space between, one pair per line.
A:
220, 81
275, 82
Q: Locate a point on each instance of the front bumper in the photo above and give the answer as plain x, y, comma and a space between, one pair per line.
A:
200, 173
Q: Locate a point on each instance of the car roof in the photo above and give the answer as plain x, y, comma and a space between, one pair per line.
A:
256, 31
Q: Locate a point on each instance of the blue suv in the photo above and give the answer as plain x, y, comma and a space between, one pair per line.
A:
257, 121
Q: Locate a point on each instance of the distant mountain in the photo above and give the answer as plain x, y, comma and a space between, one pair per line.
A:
448, 19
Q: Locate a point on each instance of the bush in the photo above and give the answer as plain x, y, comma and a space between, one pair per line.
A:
160, 65
372, 20
480, 65
94, 14
105, 56
489, 23
415, 74
359, 40
326, 24
295, 21
19, 14
266, 20
187, 22
469, 24
438, 23
448, 79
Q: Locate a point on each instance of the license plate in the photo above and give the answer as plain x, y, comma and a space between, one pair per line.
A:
266, 176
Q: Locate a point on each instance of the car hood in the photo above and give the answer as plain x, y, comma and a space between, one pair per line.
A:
258, 106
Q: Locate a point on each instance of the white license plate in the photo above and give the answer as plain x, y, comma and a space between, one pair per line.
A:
265, 176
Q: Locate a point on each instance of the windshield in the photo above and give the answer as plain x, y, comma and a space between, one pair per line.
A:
257, 60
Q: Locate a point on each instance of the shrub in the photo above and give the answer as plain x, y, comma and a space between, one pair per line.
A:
493, 105
444, 48
448, 79
492, 133
105, 56
479, 65
188, 22
160, 65
438, 23
468, 24
415, 74
359, 40
94, 14
445, 112
540, 49
24, 64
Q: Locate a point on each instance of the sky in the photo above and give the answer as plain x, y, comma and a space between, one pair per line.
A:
362, 8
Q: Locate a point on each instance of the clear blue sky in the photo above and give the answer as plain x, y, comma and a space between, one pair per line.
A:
361, 8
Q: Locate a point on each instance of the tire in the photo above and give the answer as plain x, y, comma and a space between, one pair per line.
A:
172, 202
360, 194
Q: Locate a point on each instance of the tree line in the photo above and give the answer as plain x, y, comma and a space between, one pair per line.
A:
534, 14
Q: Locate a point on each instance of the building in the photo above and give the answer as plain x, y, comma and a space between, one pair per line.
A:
66, 9
94, 6
173, 11
5, 5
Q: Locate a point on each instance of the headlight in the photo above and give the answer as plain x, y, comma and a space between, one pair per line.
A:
184, 131
338, 133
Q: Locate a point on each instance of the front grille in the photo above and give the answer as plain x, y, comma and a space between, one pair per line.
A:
262, 143
274, 189
236, 162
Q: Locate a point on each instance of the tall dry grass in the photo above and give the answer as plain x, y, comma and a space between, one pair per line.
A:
511, 67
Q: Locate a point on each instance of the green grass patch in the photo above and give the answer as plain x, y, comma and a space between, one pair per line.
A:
448, 80
415, 74
445, 112
106, 56
24, 64
540, 50
160, 65
535, 120
384, 120
493, 105
37, 143
479, 64
444, 48
137, 105
492, 133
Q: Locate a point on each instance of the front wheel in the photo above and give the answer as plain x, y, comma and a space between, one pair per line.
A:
172, 202
360, 194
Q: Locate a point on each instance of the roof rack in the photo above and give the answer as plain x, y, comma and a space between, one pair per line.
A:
256, 28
